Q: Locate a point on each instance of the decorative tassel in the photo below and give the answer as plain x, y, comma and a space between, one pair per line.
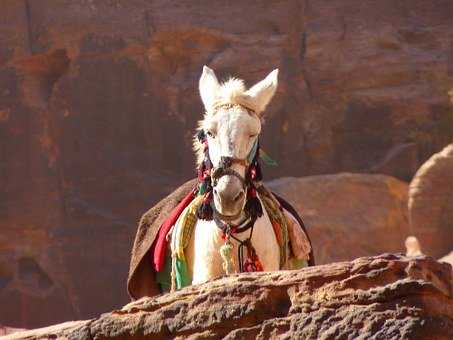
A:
202, 188
201, 135
253, 205
252, 263
259, 173
207, 162
267, 159
255, 173
225, 254
173, 273
204, 210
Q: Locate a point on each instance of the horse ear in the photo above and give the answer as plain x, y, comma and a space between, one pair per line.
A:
208, 86
261, 93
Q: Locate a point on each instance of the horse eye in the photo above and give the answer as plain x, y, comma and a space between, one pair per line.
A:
210, 134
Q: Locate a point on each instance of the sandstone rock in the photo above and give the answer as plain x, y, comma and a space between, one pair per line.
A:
386, 296
4, 330
413, 247
401, 161
431, 203
349, 215
98, 102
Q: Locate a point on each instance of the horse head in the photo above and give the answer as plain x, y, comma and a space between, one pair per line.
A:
230, 131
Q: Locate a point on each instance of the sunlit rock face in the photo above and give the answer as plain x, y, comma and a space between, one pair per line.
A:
386, 296
431, 204
98, 103
349, 215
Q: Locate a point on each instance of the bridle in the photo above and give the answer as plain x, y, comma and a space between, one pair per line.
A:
209, 176
225, 169
225, 165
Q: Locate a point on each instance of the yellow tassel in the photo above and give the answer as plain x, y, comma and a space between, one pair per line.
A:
225, 253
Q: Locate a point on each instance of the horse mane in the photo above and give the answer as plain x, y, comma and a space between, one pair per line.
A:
231, 93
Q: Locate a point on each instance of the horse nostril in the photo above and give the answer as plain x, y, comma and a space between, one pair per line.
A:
239, 196
215, 191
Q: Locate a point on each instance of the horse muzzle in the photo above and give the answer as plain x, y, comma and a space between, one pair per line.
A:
229, 196
229, 187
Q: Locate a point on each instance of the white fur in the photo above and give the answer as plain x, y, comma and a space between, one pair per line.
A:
261, 94
209, 87
232, 118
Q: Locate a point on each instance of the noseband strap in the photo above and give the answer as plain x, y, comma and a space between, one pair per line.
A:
224, 169
225, 164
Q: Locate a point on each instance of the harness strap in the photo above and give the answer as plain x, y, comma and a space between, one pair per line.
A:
226, 228
221, 171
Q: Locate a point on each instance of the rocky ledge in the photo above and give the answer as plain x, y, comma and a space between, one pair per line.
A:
386, 297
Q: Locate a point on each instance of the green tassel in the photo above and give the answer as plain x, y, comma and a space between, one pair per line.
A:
164, 276
296, 264
267, 159
202, 188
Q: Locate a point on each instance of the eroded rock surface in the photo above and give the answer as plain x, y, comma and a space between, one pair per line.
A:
387, 296
349, 215
431, 203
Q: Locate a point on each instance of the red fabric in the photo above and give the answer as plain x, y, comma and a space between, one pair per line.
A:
160, 246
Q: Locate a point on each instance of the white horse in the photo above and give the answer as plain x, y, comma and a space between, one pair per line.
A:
232, 125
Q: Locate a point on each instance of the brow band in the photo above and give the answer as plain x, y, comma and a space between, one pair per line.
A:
231, 105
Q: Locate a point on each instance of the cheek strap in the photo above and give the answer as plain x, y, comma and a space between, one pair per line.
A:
252, 152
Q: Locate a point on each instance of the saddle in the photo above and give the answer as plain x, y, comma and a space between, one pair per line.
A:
148, 257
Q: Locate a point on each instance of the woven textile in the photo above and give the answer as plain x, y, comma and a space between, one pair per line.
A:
184, 228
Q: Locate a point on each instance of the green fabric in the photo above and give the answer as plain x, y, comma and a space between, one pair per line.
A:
267, 159
202, 188
183, 278
253, 151
164, 276
294, 263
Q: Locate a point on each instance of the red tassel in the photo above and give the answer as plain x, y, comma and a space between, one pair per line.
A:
206, 174
253, 265
253, 173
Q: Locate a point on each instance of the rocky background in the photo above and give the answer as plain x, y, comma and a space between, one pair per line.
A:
98, 103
